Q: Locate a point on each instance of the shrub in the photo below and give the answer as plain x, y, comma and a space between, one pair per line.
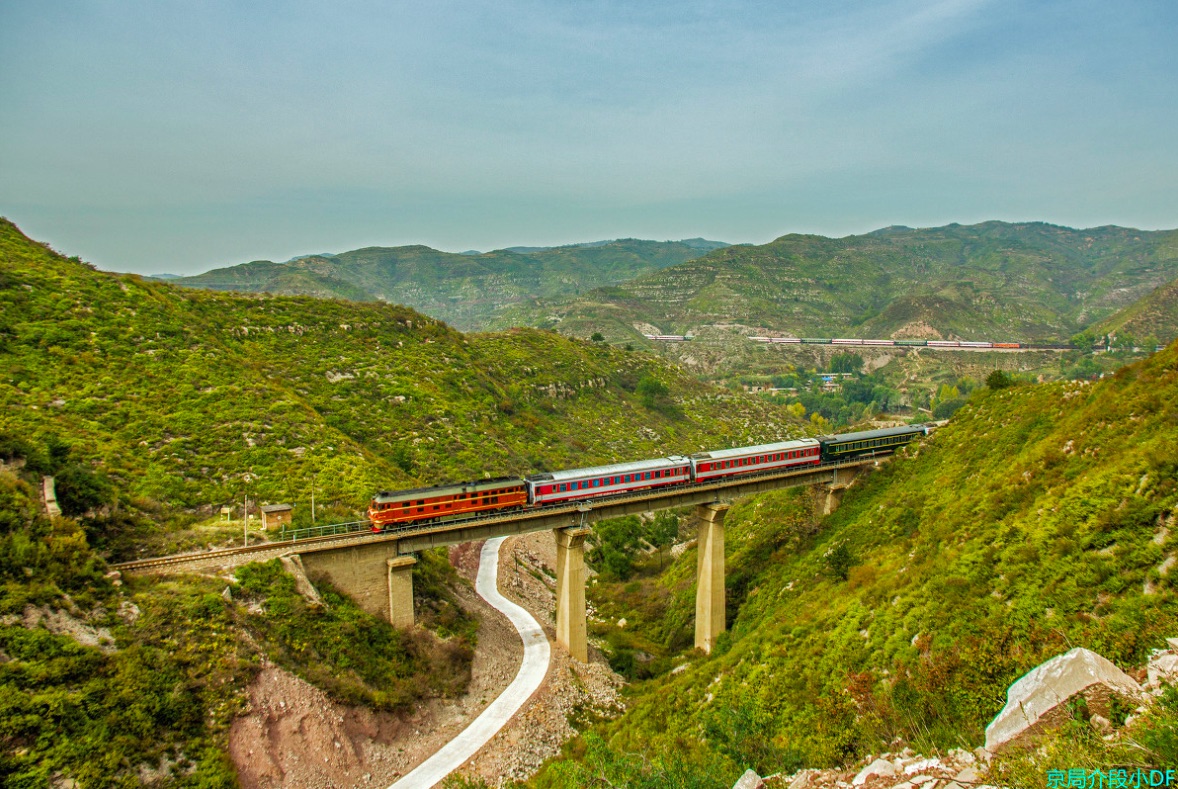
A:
839, 561
998, 379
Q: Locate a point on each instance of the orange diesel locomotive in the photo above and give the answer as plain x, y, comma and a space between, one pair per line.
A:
390, 508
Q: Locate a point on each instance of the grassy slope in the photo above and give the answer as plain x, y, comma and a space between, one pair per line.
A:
144, 398
1155, 315
147, 398
994, 280
182, 396
1032, 523
467, 291
181, 656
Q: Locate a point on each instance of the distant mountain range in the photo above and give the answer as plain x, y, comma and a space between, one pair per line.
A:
995, 280
695, 243
468, 290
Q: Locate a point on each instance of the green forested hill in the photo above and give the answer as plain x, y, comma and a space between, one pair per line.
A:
995, 280
1041, 518
108, 682
151, 404
465, 290
1153, 316
190, 398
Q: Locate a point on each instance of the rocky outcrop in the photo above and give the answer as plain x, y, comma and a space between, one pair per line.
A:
294, 566
1043, 698
956, 769
1163, 666
878, 767
1039, 700
750, 780
72, 623
49, 497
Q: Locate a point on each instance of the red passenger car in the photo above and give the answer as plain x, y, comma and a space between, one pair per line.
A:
587, 483
748, 460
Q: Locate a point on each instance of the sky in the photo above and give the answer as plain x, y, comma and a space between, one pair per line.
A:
182, 136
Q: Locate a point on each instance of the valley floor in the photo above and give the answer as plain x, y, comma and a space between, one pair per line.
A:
295, 736
572, 690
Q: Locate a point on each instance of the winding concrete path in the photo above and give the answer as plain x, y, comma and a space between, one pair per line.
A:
531, 673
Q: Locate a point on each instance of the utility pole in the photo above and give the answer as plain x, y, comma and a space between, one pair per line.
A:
312, 501
245, 519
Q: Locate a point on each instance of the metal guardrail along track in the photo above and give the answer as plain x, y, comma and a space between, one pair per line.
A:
332, 541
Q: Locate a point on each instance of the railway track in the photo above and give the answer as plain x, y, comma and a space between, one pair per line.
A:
270, 550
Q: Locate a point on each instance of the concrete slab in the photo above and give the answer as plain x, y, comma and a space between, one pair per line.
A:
531, 673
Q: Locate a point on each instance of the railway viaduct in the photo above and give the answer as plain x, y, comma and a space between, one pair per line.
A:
377, 569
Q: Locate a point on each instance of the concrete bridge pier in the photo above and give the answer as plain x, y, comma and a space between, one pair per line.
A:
834, 497
571, 627
375, 575
401, 590
709, 592
842, 479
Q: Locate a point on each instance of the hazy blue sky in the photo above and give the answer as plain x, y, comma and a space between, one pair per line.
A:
164, 136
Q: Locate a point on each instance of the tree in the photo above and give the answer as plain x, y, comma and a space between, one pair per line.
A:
616, 542
998, 380
1085, 369
597, 337
80, 490
884, 397
846, 363
945, 394
650, 390
839, 560
1084, 340
946, 408
663, 530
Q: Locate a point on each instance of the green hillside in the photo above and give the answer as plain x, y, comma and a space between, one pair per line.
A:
107, 682
466, 290
1153, 316
1041, 518
185, 397
152, 405
995, 280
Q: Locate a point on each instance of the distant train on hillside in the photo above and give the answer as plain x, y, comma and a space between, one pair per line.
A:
465, 499
901, 343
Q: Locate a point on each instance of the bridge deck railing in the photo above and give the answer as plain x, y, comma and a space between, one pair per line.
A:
327, 530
